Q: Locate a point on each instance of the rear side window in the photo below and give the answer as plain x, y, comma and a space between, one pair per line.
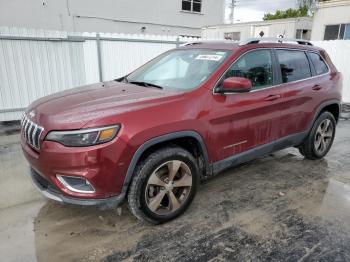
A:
255, 66
319, 64
294, 65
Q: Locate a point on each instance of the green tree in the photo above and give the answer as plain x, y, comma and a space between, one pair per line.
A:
289, 13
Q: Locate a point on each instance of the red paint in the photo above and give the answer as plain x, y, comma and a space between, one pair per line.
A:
144, 113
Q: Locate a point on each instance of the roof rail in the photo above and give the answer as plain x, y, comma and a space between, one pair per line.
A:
275, 40
199, 42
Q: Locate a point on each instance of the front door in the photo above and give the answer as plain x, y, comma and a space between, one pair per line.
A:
243, 121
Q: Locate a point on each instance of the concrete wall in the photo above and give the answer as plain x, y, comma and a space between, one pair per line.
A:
119, 16
252, 29
329, 13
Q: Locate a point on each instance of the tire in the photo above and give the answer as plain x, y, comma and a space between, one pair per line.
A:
152, 184
313, 148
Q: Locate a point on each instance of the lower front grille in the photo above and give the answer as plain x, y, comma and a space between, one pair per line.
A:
45, 184
31, 132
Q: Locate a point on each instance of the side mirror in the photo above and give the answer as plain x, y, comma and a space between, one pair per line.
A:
236, 85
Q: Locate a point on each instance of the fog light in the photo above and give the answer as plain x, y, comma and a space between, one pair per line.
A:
76, 184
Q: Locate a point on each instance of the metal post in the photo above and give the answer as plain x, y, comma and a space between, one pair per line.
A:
99, 57
232, 15
177, 42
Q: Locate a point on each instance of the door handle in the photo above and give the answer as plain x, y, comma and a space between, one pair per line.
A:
317, 88
272, 97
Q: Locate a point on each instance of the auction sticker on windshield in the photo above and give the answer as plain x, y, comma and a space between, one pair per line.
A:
209, 57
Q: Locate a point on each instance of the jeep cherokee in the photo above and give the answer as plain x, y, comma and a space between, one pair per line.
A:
188, 114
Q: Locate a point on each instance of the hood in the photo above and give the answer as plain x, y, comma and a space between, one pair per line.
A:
74, 108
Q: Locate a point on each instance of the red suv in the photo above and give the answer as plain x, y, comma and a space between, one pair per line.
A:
151, 136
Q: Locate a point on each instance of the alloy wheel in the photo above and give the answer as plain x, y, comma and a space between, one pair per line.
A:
323, 137
168, 187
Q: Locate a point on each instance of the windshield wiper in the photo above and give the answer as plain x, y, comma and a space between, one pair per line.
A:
123, 79
145, 84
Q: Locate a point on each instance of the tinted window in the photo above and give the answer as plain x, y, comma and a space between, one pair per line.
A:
294, 65
347, 32
192, 5
331, 32
197, 6
319, 64
186, 5
256, 66
340, 31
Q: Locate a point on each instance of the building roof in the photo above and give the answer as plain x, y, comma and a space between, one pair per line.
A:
276, 21
333, 3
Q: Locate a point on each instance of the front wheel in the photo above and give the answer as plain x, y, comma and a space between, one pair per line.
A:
321, 137
164, 185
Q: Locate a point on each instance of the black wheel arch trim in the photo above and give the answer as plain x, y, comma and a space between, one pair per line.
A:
320, 109
160, 139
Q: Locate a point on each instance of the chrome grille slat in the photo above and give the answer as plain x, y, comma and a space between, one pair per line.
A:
22, 125
26, 129
33, 135
31, 132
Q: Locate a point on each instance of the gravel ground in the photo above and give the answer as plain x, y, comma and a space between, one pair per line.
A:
278, 208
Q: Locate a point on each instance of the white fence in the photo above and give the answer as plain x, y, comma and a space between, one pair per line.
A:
339, 51
35, 63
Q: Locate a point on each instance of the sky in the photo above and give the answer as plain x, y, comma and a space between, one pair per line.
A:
254, 10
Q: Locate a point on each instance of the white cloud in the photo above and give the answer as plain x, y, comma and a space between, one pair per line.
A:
246, 15
254, 10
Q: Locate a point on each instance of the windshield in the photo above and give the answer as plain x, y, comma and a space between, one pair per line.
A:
179, 69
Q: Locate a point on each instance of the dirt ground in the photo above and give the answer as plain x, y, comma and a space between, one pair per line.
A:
278, 208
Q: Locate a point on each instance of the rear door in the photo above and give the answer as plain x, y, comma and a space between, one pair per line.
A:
298, 91
322, 78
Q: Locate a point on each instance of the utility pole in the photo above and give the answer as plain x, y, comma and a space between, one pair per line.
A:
232, 6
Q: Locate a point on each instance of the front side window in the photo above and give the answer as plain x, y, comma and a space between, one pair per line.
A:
294, 65
255, 66
319, 64
180, 69
192, 5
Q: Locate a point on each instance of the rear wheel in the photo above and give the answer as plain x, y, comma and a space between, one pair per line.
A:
164, 185
321, 137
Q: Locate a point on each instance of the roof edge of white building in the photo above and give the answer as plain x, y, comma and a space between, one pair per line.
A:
332, 3
275, 21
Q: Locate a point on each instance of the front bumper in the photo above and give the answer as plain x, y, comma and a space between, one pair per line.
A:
52, 192
103, 166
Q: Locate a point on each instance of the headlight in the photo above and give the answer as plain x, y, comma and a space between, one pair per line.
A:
84, 137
